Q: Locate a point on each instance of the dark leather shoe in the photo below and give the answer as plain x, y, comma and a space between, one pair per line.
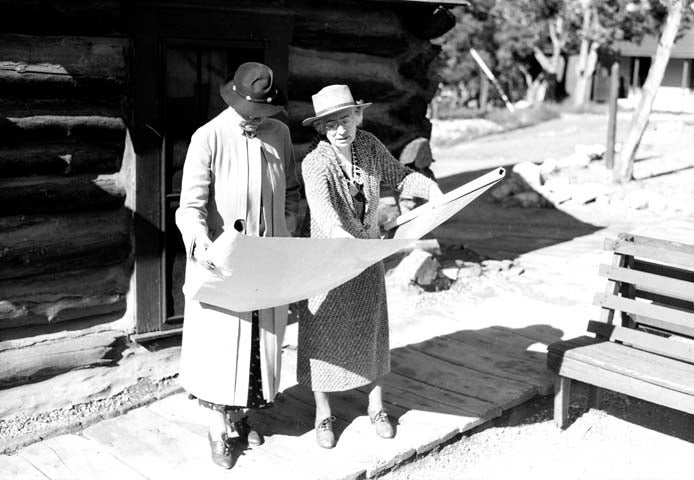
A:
247, 434
324, 433
381, 423
221, 450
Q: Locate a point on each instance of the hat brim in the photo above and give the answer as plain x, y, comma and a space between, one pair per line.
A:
310, 120
252, 109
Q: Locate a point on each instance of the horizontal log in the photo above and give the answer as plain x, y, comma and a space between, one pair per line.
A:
45, 82
53, 357
376, 31
30, 195
59, 17
40, 244
32, 107
103, 307
43, 299
61, 158
96, 57
369, 76
18, 130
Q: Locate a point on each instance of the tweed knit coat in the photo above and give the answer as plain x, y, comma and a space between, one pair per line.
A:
343, 334
227, 177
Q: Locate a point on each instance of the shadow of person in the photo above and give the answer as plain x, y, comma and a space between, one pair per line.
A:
470, 374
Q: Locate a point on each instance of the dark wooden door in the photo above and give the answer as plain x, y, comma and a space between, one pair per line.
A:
192, 79
181, 55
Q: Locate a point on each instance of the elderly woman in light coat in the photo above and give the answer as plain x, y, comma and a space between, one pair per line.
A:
343, 333
239, 173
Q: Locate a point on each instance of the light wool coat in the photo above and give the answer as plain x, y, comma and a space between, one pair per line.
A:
223, 177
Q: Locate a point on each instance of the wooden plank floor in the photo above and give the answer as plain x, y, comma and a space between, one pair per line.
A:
432, 398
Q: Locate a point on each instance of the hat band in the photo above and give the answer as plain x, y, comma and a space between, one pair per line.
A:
248, 98
332, 108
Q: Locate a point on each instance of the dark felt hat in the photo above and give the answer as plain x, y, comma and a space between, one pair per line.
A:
252, 91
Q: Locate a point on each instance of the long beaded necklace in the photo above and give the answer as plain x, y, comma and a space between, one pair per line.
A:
357, 176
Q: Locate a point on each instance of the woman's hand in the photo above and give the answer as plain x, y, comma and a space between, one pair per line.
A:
202, 244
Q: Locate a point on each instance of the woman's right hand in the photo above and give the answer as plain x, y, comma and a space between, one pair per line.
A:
202, 244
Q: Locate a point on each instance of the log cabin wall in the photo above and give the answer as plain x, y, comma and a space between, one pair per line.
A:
65, 230
67, 187
382, 50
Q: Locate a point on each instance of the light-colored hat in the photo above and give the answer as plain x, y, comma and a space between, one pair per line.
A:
331, 99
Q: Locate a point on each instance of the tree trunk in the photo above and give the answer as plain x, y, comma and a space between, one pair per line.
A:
624, 167
587, 57
484, 93
586, 67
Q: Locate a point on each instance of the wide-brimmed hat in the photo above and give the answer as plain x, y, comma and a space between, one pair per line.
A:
331, 99
252, 91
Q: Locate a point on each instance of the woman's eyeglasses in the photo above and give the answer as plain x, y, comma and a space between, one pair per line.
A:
345, 121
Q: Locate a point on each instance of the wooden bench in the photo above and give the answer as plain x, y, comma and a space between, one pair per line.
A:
648, 350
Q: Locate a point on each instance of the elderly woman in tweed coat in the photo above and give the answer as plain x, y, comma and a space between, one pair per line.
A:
343, 333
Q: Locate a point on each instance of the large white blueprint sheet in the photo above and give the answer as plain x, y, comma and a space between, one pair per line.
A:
253, 273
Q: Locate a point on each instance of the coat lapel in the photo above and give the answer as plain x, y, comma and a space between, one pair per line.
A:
341, 181
255, 182
362, 160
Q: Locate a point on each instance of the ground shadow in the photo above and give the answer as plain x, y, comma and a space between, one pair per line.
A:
482, 378
471, 374
648, 415
634, 410
503, 232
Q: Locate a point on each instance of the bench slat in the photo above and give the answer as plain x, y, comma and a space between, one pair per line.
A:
649, 282
587, 373
634, 363
677, 321
657, 242
675, 257
669, 347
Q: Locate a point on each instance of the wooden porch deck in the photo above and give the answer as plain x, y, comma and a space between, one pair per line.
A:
437, 389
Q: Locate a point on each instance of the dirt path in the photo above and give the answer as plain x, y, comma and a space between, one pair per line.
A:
627, 438
552, 139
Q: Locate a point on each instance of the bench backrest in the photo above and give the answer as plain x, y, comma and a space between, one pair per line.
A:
651, 283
